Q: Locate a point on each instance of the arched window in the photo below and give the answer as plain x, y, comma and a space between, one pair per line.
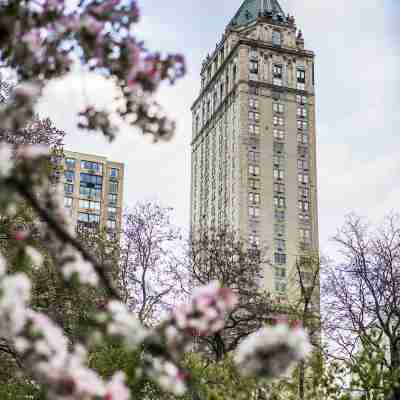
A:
276, 38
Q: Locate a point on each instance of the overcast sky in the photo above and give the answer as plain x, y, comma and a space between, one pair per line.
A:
357, 45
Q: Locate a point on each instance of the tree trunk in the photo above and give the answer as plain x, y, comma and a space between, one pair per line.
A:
395, 367
302, 368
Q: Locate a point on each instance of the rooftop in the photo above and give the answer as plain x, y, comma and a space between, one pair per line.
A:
250, 10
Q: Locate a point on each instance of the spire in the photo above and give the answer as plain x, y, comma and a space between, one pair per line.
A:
251, 9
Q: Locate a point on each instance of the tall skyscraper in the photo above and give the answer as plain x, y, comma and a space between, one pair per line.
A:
254, 142
93, 191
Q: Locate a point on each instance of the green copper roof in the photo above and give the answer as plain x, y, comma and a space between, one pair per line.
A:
251, 9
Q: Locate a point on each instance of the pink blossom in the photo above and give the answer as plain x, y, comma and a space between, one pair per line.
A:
106, 7
20, 235
206, 313
116, 388
54, 5
34, 40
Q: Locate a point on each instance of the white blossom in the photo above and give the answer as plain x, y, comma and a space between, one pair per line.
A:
56, 365
125, 325
82, 269
15, 293
3, 266
116, 388
167, 375
270, 351
35, 256
6, 161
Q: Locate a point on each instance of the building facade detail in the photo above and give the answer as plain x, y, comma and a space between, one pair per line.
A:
93, 191
254, 139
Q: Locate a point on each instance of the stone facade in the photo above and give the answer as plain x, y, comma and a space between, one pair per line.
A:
254, 142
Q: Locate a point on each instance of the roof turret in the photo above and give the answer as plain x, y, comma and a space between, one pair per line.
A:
250, 10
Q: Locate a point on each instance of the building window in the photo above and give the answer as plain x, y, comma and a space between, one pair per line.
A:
70, 163
254, 198
278, 147
254, 129
279, 174
253, 103
302, 164
280, 258
114, 173
279, 230
303, 206
253, 66
280, 273
91, 181
254, 184
278, 107
89, 192
278, 160
68, 202
302, 112
278, 121
89, 218
68, 188
90, 205
302, 138
112, 210
69, 176
303, 178
253, 90
93, 166
301, 75
254, 170
301, 86
279, 188
304, 192
277, 75
254, 156
111, 224
254, 116
280, 244
304, 218
254, 212
253, 54
305, 235
279, 202
301, 99
276, 38
302, 152
279, 134
113, 187
302, 125
254, 240
279, 215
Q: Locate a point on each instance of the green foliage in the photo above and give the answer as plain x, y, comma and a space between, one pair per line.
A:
21, 391
372, 376
218, 380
